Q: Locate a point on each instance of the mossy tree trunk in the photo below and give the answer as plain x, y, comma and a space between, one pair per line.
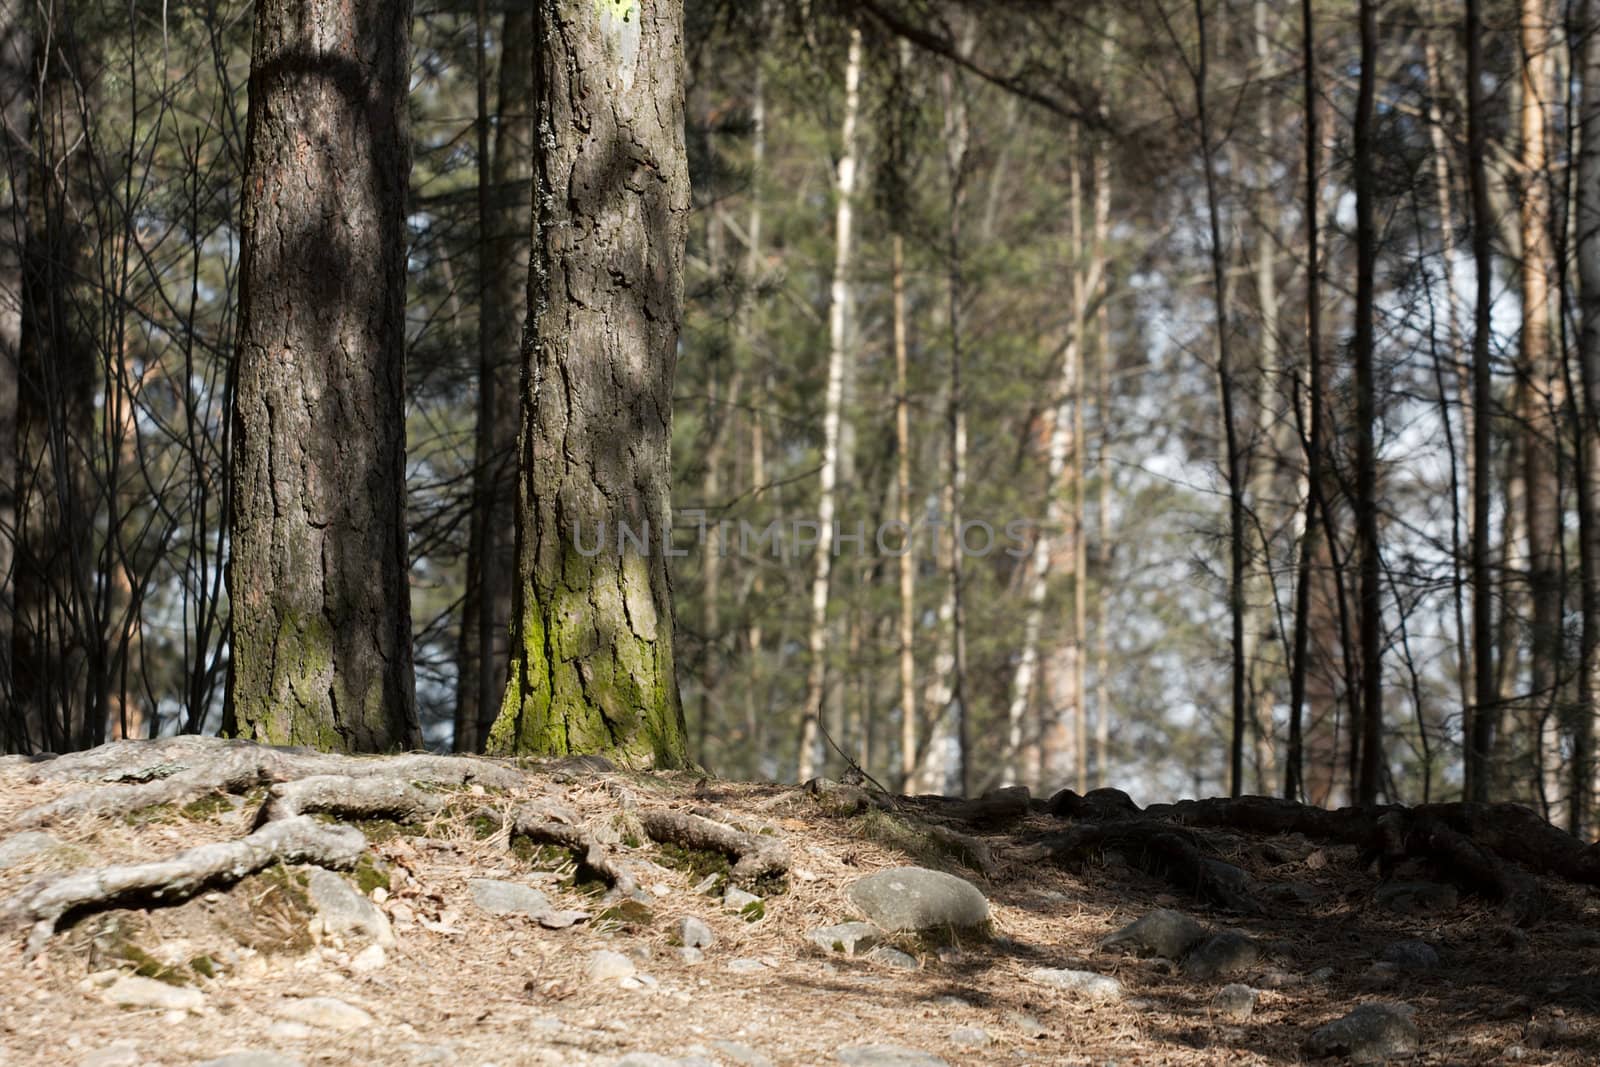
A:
592, 662
318, 575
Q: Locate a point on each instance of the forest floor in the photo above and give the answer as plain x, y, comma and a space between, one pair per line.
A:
250, 968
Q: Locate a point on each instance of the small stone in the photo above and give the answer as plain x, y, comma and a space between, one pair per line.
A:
690, 956
284, 1030
630, 982
1235, 1002
1220, 955
1371, 1033
969, 1036
372, 958
560, 920
693, 933
707, 884
1411, 955
134, 992
1092, 985
253, 1058
746, 966
661, 890
1026, 1025
743, 1055
606, 965
893, 957
329, 1013
887, 1056
342, 909
1321, 974
913, 898
1546, 1032
736, 899
1418, 898
507, 898
848, 938
1163, 933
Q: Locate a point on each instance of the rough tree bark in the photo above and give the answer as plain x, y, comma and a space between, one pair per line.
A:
318, 575
592, 659
16, 57
1582, 783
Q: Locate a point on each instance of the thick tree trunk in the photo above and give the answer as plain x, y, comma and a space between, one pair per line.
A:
833, 417
592, 657
318, 576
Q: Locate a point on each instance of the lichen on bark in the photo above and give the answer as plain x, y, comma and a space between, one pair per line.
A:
592, 666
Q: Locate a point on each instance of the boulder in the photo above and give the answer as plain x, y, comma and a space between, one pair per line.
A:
1163, 933
913, 898
1372, 1033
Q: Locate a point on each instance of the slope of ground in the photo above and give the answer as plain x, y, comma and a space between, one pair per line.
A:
251, 968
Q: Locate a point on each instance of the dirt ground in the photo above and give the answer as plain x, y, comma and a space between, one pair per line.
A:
469, 987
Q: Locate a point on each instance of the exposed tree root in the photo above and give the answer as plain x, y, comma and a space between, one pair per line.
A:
1158, 849
358, 798
550, 823
755, 855
178, 770
293, 840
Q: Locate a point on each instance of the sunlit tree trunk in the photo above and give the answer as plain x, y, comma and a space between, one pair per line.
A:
833, 415
592, 656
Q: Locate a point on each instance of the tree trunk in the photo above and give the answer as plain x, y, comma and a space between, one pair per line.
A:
318, 575
1581, 789
907, 561
1481, 740
503, 249
1294, 784
592, 658
16, 60
833, 415
1541, 392
1370, 613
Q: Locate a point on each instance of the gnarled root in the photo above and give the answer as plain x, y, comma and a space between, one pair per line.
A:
1158, 849
294, 840
550, 823
347, 797
755, 855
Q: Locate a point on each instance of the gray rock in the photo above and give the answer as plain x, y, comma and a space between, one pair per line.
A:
893, 957
1220, 955
849, 938
342, 909
131, 991
912, 898
560, 920
1371, 1033
253, 1058
708, 884
606, 965
1161, 933
736, 899
329, 1013
508, 898
743, 1055
1418, 898
1094, 986
1026, 1025
1235, 1002
969, 1036
746, 966
1411, 955
26, 845
887, 1056
689, 955
692, 933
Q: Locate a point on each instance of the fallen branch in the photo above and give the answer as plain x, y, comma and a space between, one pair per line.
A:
295, 840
